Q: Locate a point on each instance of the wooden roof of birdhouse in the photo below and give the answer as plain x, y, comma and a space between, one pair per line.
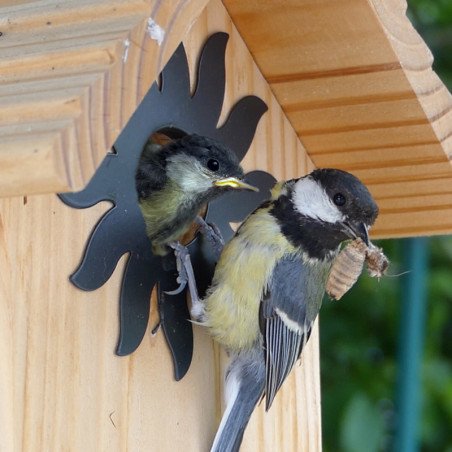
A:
353, 78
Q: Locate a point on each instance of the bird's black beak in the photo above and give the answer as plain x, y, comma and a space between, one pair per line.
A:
236, 183
357, 230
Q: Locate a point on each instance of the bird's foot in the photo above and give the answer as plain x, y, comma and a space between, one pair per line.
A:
186, 276
213, 235
183, 267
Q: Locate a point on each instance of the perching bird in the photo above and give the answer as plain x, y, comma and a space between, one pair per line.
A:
269, 284
175, 181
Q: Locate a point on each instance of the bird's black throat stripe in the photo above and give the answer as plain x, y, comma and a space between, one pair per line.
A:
317, 238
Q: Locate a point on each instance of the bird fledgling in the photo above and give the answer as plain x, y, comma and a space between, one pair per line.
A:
269, 284
175, 181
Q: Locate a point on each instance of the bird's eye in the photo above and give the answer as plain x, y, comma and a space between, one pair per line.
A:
213, 165
339, 199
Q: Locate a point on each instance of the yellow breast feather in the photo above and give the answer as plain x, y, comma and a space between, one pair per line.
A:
241, 279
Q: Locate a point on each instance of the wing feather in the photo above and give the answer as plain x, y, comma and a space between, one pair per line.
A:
283, 348
288, 311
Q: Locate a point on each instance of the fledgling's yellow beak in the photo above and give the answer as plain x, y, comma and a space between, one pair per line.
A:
235, 183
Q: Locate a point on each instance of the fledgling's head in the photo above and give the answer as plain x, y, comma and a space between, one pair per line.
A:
200, 164
195, 167
339, 199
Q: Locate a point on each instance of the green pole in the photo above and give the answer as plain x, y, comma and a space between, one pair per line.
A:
411, 344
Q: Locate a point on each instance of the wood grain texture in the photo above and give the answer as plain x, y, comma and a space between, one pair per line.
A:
61, 386
71, 75
355, 81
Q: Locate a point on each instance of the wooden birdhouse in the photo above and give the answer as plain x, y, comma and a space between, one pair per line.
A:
347, 85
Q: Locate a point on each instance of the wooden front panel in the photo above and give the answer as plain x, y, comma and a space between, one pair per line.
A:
62, 388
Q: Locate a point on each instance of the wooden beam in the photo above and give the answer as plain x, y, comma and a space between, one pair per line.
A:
355, 81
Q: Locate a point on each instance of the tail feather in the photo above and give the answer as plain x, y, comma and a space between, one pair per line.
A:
244, 387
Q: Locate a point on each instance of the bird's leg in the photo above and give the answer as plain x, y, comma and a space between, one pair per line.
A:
213, 235
186, 276
183, 266
182, 256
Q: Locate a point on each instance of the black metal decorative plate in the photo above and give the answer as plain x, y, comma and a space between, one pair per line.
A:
122, 229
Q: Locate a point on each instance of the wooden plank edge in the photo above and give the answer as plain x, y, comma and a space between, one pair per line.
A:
59, 176
416, 60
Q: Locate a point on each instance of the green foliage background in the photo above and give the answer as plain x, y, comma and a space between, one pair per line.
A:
359, 334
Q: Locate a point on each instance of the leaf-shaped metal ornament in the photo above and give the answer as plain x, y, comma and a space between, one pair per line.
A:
122, 229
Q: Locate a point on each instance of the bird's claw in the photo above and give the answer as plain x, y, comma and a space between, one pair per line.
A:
186, 275
213, 236
182, 285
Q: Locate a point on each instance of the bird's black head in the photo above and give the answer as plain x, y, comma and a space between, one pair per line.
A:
351, 198
200, 165
197, 165
215, 158
320, 211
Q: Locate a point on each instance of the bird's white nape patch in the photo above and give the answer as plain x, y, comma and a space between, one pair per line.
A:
311, 200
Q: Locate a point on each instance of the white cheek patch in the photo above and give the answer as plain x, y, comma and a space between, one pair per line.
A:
311, 200
188, 173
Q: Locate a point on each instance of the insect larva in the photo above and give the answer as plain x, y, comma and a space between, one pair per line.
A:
346, 269
349, 264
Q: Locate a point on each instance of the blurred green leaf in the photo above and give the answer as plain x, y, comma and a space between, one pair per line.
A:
362, 426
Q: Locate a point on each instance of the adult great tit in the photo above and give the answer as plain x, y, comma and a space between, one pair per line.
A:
269, 284
174, 182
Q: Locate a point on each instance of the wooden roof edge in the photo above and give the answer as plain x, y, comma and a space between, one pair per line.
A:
416, 60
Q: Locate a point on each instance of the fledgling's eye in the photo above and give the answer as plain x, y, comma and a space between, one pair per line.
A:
213, 165
339, 199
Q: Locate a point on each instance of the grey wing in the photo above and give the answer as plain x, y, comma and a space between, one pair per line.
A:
288, 311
